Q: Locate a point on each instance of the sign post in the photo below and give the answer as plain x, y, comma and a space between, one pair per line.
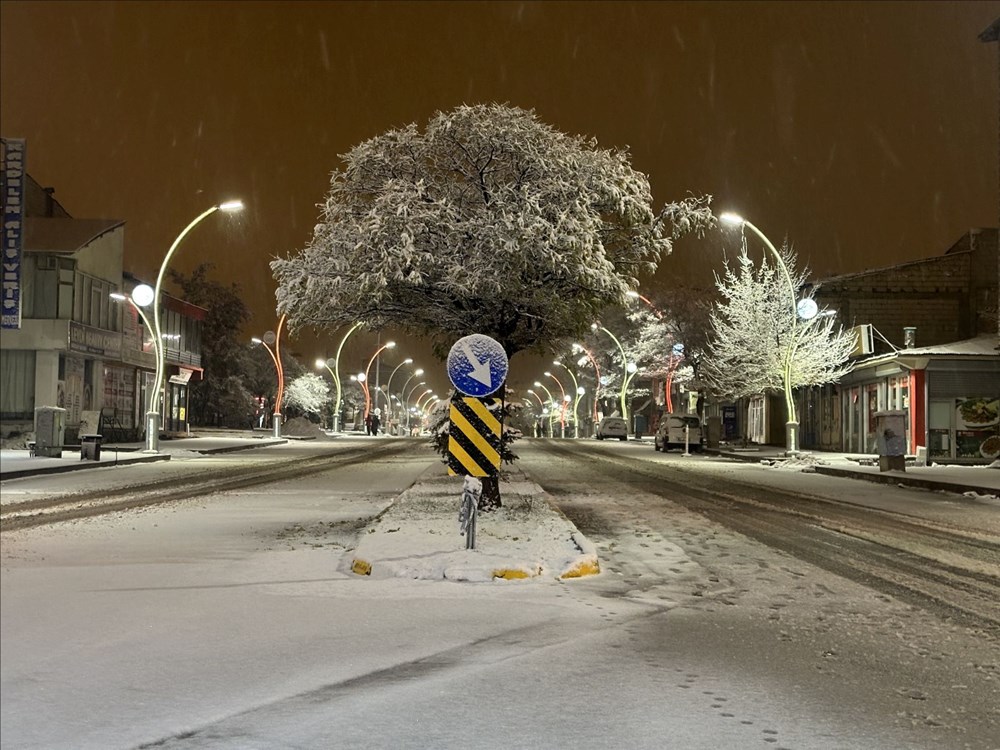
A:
477, 367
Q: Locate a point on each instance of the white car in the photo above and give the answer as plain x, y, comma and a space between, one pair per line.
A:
670, 433
612, 427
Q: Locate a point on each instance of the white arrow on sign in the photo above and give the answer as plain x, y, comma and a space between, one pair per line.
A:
480, 370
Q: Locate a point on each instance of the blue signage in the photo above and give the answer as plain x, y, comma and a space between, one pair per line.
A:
477, 365
13, 228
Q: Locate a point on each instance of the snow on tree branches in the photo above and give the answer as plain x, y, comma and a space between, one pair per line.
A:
487, 221
308, 393
753, 332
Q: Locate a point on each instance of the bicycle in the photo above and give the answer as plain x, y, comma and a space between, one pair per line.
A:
472, 489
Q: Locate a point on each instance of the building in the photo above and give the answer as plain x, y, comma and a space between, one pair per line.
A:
76, 347
929, 345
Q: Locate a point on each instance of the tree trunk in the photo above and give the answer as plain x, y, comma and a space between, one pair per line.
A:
489, 500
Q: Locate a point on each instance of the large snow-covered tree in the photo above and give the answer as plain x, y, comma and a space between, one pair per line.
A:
487, 221
308, 393
753, 332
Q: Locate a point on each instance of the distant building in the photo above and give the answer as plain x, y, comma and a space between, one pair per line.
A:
76, 347
931, 348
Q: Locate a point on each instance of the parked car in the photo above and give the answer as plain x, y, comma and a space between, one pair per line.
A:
612, 427
670, 433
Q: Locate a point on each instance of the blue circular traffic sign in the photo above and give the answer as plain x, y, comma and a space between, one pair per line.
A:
477, 365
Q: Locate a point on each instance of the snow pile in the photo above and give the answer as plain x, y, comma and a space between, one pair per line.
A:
301, 427
801, 462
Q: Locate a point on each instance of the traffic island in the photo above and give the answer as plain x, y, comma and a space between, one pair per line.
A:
527, 539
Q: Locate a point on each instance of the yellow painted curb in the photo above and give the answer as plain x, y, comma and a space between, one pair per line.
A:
511, 574
588, 566
361, 567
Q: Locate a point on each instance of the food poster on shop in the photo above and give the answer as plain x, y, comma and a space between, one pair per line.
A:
70, 390
977, 428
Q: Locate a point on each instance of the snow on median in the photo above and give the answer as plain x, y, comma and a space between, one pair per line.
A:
418, 537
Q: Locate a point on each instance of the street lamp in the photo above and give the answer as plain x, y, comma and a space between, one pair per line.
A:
654, 308
335, 372
562, 409
552, 402
368, 400
153, 413
579, 394
625, 363
142, 295
406, 396
792, 425
272, 338
428, 394
597, 374
388, 390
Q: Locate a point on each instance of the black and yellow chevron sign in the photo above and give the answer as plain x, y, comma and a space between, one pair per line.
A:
474, 437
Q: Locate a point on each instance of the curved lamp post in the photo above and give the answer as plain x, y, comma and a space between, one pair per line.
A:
635, 295
621, 396
328, 364
552, 401
562, 410
541, 406
336, 375
142, 295
597, 374
368, 399
388, 383
272, 338
792, 425
152, 413
406, 396
576, 402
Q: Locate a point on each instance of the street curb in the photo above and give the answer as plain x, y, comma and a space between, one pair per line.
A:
76, 466
235, 448
579, 566
896, 479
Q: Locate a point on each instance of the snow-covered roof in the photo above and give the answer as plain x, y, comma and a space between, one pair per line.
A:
987, 345
64, 235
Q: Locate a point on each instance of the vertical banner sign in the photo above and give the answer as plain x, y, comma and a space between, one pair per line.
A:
474, 437
13, 231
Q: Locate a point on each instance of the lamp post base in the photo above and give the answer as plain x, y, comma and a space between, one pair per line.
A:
276, 421
152, 432
791, 438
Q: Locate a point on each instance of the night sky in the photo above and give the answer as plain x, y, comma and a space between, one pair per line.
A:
865, 132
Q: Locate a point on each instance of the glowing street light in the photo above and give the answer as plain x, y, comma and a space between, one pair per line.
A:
368, 400
275, 338
552, 403
579, 392
407, 361
334, 363
142, 295
654, 308
806, 312
625, 364
562, 408
597, 373
153, 413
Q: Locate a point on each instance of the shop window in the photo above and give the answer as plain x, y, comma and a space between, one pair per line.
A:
17, 373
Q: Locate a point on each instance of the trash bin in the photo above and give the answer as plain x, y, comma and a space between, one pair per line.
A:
639, 422
50, 431
890, 439
90, 447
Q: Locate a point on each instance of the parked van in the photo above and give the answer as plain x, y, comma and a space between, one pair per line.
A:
670, 433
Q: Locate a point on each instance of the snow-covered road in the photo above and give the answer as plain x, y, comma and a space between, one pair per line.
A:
232, 621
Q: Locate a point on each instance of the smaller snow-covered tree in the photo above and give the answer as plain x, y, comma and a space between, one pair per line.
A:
308, 393
753, 334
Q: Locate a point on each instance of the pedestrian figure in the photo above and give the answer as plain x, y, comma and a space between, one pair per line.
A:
374, 423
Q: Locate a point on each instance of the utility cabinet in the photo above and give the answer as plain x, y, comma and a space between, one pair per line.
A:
50, 431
